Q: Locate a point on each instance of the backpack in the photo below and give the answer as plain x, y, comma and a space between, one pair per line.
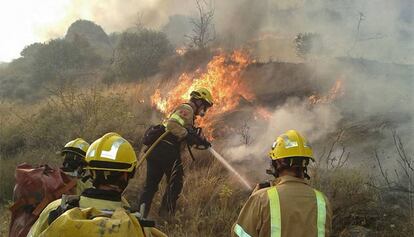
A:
152, 134
35, 188
70, 220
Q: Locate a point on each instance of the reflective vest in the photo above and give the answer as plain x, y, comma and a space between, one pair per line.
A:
251, 216
276, 223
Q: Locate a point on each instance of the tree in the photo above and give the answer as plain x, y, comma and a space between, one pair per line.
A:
203, 29
138, 55
49, 63
31, 50
59, 57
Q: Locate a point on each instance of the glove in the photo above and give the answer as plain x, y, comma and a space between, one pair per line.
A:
206, 143
195, 137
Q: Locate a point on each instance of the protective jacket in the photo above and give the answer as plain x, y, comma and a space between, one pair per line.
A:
180, 120
289, 208
100, 200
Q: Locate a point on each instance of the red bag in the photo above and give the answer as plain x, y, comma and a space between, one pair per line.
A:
35, 188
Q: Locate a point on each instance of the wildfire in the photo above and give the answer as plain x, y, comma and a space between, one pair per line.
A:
222, 77
334, 93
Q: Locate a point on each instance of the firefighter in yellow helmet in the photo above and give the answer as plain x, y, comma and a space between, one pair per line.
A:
287, 207
98, 211
165, 157
73, 154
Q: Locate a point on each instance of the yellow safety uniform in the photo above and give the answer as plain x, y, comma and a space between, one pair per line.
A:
90, 222
180, 120
290, 208
42, 222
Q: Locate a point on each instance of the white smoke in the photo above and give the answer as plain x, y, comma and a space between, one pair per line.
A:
312, 121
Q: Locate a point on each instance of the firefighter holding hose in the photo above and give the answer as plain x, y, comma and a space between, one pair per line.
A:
287, 206
163, 156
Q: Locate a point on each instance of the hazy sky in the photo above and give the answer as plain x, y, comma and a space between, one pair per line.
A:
26, 21
22, 21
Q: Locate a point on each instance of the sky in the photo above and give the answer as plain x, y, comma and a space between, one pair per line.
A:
22, 22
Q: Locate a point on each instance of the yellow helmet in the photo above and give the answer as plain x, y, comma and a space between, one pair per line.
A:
290, 144
203, 94
77, 146
111, 152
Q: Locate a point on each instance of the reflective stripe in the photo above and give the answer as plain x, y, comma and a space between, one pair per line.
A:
321, 216
188, 106
177, 118
238, 230
275, 220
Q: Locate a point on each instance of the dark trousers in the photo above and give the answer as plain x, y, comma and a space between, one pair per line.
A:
164, 159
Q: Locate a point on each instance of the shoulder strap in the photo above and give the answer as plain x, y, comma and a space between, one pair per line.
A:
67, 202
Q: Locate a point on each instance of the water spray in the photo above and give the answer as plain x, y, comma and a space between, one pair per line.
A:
230, 168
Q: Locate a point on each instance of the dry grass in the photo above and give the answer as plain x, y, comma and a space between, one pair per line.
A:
4, 220
209, 203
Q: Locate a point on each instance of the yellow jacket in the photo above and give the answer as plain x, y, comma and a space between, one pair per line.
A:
90, 206
42, 222
180, 120
290, 208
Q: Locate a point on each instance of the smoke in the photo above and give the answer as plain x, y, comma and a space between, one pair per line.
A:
314, 122
380, 29
117, 15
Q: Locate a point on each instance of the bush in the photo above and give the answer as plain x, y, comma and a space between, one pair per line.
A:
35, 135
308, 44
138, 55
52, 63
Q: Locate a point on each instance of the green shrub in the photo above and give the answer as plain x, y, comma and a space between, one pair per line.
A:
138, 55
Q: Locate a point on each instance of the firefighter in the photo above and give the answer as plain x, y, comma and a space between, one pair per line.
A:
165, 157
288, 206
73, 154
111, 161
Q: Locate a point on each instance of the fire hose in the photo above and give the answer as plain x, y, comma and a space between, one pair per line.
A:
210, 149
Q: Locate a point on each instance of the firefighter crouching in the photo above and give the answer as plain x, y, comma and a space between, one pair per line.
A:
165, 158
288, 207
98, 211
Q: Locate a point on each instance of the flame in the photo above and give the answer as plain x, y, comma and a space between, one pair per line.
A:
334, 93
222, 77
